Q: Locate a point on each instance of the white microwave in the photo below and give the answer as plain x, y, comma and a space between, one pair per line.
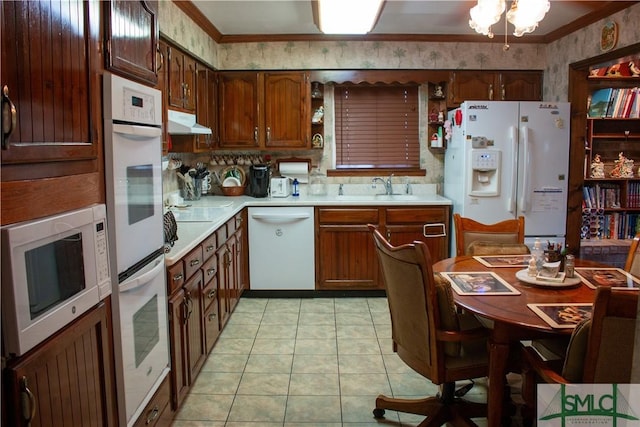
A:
53, 270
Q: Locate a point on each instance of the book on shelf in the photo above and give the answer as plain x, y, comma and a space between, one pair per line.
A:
617, 103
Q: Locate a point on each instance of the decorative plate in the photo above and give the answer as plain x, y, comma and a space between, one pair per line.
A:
235, 172
609, 36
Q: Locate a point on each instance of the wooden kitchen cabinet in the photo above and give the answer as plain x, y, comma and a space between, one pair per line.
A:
345, 254
483, 85
68, 380
185, 317
427, 224
131, 39
264, 110
206, 108
182, 78
58, 134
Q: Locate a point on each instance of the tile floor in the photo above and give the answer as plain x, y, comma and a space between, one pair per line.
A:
317, 362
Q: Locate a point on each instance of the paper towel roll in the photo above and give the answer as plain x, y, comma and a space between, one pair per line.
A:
299, 170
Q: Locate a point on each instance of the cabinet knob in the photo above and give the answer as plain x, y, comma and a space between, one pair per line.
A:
491, 92
212, 293
211, 271
209, 248
268, 134
212, 317
194, 262
177, 277
503, 92
255, 134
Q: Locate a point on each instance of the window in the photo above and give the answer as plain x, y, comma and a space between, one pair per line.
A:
377, 126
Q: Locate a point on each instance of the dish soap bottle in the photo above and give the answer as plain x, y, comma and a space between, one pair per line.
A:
296, 190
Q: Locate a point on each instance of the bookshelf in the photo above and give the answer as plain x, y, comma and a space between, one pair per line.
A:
611, 187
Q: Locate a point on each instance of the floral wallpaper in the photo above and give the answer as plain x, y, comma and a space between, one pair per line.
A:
553, 58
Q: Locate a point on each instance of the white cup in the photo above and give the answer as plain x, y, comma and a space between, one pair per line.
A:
206, 184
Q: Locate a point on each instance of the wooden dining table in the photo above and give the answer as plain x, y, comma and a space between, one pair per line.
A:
511, 318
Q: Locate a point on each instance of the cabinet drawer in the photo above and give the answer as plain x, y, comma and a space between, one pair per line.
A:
221, 234
348, 216
416, 215
157, 412
192, 261
211, 324
210, 268
209, 247
175, 277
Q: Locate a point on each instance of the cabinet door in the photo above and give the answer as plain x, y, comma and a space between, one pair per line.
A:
286, 109
178, 318
241, 266
132, 39
163, 86
182, 80
58, 103
238, 110
224, 289
68, 380
520, 86
206, 108
195, 338
472, 85
345, 253
429, 225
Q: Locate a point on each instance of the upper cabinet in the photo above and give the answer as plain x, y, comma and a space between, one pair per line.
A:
264, 110
51, 107
182, 79
131, 39
494, 86
206, 107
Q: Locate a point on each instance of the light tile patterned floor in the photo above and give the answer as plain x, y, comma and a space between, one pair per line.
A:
292, 362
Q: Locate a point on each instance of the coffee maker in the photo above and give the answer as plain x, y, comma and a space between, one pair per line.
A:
259, 176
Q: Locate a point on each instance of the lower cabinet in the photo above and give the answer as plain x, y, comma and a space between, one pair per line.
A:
345, 253
204, 287
68, 380
430, 225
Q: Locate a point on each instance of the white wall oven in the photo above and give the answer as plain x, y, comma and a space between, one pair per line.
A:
133, 150
53, 270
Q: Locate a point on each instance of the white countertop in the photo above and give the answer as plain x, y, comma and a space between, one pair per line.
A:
222, 208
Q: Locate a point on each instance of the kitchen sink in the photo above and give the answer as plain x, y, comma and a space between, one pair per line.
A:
398, 197
376, 197
198, 214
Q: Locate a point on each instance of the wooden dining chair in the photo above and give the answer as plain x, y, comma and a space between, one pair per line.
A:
507, 237
600, 349
632, 265
429, 335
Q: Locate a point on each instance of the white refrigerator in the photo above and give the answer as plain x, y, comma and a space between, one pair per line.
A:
505, 159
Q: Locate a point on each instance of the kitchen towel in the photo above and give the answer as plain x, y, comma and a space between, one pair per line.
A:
299, 170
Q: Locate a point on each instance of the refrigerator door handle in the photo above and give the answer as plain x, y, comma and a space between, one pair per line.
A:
524, 197
514, 170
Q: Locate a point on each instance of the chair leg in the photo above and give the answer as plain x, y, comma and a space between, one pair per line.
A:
441, 409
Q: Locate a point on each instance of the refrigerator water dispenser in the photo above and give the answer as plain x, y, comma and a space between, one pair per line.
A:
485, 173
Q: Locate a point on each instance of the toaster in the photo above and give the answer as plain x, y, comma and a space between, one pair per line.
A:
280, 187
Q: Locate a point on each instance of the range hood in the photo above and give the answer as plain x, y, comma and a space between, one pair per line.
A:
185, 124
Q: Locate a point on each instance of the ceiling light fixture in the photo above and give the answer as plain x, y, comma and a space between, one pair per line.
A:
348, 17
523, 14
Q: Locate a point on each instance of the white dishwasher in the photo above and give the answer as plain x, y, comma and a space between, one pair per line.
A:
281, 248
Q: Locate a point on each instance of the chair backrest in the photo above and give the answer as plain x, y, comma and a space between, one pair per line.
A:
467, 231
409, 284
611, 339
633, 261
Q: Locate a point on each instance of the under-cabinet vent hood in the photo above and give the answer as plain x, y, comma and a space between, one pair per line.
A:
185, 124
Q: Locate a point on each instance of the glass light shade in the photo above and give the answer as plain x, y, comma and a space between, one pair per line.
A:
485, 14
526, 14
348, 17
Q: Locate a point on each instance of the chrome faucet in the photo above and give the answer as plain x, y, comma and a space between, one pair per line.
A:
388, 188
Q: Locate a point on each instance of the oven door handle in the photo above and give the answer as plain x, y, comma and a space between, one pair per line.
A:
137, 132
145, 277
